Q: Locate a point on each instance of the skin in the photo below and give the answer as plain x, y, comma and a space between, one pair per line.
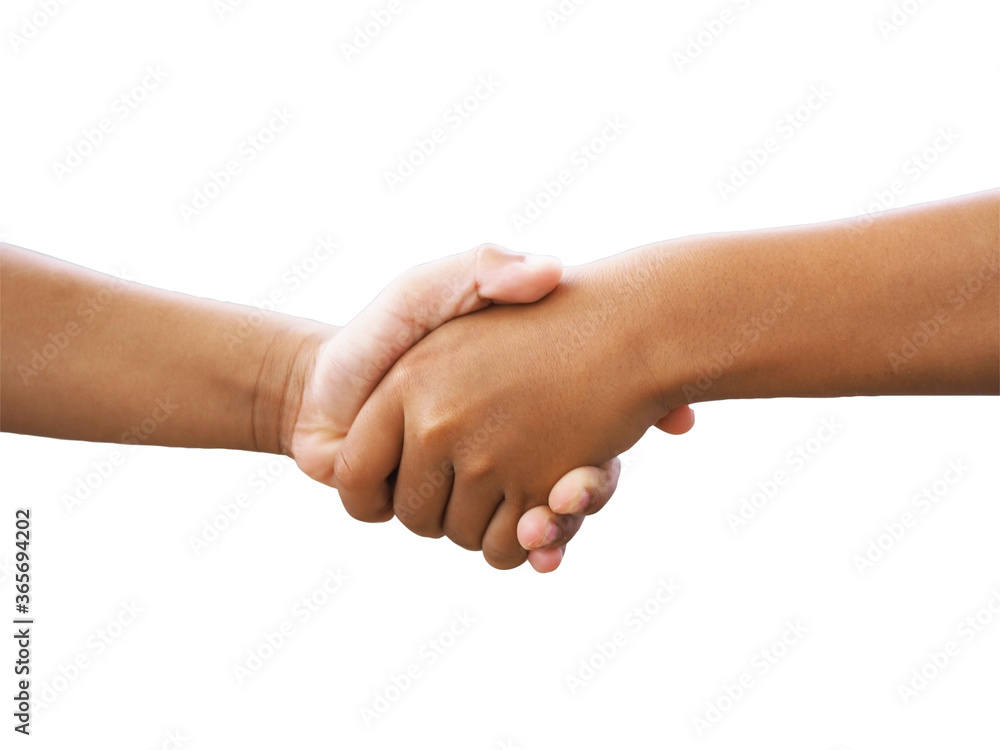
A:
837, 309
210, 374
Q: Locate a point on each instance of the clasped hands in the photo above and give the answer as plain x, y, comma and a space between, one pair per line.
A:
496, 425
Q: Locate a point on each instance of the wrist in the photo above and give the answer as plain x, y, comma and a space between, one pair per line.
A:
706, 303
627, 304
285, 367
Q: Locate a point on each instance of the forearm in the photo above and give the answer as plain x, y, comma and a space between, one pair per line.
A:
89, 357
907, 304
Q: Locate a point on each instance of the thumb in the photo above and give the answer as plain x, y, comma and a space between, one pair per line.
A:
504, 276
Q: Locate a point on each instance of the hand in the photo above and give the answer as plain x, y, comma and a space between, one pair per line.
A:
545, 529
347, 366
495, 407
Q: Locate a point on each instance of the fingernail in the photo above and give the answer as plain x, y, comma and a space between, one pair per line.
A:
578, 503
551, 532
537, 261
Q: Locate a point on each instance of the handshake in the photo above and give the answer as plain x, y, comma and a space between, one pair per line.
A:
485, 397
464, 398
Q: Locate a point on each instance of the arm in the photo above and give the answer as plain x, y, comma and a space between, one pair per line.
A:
88, 357
822, 310
903, 303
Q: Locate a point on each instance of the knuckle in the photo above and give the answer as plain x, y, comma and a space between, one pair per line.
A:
431, 427
476, 468
358, 491
362, 511
484, 258
415, 513
503, 557
464, 539
408, 509
409, 375
483, 252
428, 531
346, 471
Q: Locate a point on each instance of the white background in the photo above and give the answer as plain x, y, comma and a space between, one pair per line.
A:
503, 682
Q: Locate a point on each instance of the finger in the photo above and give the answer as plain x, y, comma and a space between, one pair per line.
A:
546, 560
585, 490
677, 421
425, 298
500, 546
368, 456
423, 485
540, 528
473, 502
